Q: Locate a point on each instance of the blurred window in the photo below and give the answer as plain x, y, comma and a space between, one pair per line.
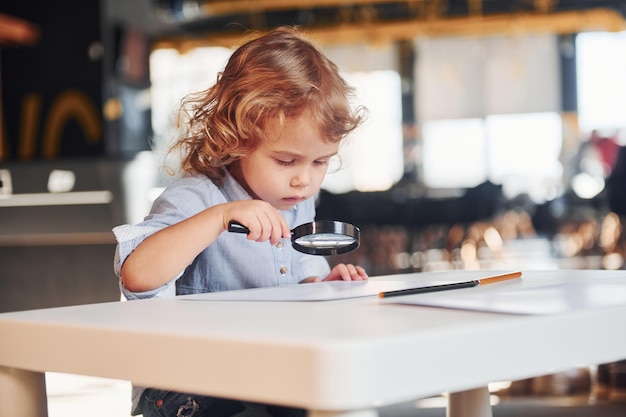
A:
371, 159
519, 151
488, 111
454, 153
524, 152
601, 73
173, 75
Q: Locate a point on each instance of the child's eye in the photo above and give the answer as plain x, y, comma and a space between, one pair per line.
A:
285, 162
321, 162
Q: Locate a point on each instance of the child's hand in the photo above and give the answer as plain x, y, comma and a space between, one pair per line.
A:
341, 272
264, 221
346, 272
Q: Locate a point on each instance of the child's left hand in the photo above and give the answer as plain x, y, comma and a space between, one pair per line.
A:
341, 272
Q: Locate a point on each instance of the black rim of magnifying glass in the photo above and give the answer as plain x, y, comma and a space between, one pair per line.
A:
326, 227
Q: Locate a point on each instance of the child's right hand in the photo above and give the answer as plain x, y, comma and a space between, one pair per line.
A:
263, 220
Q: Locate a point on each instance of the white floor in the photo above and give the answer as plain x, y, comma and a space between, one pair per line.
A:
78, 396
74, 396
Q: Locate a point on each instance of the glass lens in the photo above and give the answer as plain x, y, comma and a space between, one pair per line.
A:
325, 240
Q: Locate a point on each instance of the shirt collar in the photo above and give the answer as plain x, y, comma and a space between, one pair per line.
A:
233, 190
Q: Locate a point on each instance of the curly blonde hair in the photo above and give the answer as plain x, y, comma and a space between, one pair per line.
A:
277, 76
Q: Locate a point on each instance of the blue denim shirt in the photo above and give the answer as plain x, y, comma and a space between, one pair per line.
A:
231, 262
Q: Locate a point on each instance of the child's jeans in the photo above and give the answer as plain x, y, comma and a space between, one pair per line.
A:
158, 403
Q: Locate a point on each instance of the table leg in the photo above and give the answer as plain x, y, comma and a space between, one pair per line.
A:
470, 403
23, 393
351, 413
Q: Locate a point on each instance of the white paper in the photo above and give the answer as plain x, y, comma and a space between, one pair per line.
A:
537, 300
318, 291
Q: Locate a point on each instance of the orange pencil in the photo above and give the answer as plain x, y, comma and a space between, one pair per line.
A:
453, 286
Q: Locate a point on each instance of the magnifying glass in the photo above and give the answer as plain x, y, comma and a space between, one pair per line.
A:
322, 237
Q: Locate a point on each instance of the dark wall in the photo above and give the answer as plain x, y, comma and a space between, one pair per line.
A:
35, 277
60, 254
52, 98
51, 91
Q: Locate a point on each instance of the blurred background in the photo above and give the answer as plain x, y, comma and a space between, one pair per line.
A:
495, 137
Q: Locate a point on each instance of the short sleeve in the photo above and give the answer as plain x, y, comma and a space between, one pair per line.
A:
181, 200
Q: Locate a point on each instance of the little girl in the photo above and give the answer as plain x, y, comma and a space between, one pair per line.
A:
255, 151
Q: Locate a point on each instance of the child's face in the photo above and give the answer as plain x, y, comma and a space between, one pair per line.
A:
290, 165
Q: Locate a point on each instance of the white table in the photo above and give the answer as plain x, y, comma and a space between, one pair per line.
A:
335, 358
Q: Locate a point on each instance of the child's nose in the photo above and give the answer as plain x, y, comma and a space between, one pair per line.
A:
302, 179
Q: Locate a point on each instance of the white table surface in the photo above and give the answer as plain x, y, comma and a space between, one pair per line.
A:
335, 358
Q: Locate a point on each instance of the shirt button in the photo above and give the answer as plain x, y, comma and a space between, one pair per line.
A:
283, 270
279, 245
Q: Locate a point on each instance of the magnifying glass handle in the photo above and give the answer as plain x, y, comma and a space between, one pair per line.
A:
237, 227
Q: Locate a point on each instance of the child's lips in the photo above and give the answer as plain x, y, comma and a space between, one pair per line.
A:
294, 199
